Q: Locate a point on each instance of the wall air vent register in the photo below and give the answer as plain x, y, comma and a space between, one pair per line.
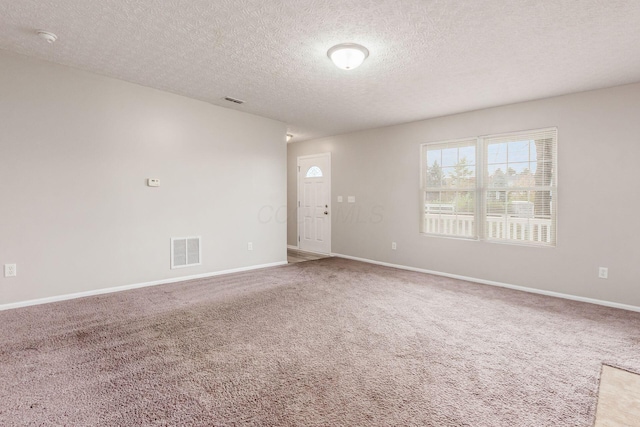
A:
186, 251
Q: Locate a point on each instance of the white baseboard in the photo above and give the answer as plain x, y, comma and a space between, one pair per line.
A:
134, 286
292, 247
502, 285
370, 261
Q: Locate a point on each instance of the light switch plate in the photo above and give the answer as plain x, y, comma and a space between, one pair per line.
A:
351, 199
153, 182
10, 270
603, 273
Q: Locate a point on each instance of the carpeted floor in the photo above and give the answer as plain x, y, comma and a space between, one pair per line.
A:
330, 342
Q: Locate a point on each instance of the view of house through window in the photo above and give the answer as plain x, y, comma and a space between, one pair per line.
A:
450, 196
500, 188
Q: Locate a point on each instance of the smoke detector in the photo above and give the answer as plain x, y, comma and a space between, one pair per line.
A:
47, 36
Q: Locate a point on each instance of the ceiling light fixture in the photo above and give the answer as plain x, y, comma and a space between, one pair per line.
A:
348, 55
47, 36
289, 137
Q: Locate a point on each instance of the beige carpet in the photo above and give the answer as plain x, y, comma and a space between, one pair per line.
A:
320, 343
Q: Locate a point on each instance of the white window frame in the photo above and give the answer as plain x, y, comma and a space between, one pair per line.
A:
481, 190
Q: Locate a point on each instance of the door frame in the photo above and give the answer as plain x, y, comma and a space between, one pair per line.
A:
328, 175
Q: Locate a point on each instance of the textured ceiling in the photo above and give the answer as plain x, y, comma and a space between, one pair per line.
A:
428, 57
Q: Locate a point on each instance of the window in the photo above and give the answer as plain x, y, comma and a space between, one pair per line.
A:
497, 188
450, 181
314, 172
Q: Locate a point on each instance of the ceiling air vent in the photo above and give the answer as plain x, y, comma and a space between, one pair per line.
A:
230, 99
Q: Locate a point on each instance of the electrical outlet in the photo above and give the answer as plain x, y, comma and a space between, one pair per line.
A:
250, 246
603, 273
394, 246
10, 270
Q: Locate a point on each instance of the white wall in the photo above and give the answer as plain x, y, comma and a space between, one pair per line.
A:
598, 206
75, 151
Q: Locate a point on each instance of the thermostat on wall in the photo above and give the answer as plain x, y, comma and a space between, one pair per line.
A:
153, 182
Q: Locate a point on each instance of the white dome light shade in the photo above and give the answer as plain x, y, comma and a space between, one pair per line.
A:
348, 55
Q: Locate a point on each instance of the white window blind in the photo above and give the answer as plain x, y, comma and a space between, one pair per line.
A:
496, 188
520, 187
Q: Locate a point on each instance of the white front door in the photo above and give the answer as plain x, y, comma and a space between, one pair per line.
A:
314, 207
